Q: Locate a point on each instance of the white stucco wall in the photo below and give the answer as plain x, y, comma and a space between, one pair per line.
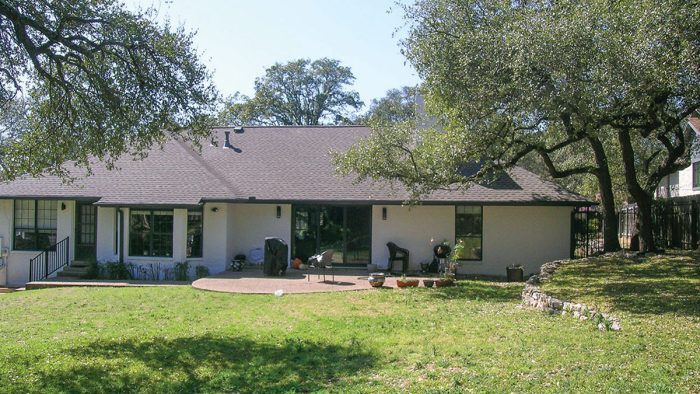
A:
411, 228
106, 226
216, 228
6, 235
252, 223
511, 234
523, 235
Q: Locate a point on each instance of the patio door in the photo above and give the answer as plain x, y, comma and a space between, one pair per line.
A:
345, 229
85, 231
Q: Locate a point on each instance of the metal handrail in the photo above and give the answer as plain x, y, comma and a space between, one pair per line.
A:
49, 260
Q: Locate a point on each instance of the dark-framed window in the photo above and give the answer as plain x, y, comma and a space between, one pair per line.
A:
195, 232
696, 175
35, 224
150, 233
469, 231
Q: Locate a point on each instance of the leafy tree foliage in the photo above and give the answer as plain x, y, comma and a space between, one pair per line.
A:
86, 79
300, 92
398, 105
512, 78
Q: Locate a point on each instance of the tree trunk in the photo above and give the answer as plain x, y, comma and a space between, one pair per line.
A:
610, 225
646, 226
643, 198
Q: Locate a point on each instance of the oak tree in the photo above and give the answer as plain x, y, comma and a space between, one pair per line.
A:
511, 78
300, 92
90, 79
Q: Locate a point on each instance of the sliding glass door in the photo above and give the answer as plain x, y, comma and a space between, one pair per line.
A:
345, 229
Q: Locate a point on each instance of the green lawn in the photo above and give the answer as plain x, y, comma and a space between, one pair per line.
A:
474, 337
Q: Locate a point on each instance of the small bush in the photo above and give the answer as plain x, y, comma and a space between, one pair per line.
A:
117, 270
201, 271
93, 271
181, 270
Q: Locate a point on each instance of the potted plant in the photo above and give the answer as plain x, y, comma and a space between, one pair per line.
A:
403, 281
446, 279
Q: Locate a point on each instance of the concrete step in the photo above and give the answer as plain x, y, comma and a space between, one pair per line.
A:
79, 263
70, 271
6, 290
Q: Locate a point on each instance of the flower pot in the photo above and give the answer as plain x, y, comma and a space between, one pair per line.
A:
376, 279
444, 283
428, 282
407, 283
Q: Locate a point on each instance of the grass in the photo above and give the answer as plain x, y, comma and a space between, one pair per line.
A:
473, 337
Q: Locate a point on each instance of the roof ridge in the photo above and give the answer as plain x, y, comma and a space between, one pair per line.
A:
214, 173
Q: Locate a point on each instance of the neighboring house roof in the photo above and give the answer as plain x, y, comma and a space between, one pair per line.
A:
694, 122
266, 164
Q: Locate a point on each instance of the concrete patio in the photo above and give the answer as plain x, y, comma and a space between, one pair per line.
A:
252, 281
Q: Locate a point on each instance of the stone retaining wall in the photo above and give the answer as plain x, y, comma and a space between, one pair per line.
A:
534, 297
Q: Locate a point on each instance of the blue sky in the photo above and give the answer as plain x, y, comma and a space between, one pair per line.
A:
239, 39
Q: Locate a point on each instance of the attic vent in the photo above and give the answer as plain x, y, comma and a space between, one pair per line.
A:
238, 130
227, 143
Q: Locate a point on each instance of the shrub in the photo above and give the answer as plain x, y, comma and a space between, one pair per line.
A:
181, 270
117, 270
93, 270
201, 271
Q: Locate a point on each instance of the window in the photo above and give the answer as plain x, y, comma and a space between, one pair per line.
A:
151, 233
35, 224
696, 174
468, 231
194, 233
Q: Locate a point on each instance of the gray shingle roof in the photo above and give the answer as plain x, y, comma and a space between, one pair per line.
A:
266, 164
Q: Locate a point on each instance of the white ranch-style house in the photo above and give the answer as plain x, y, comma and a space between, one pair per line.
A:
179, 204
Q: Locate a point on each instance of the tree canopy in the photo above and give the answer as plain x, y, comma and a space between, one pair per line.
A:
85, 79
398, 105
300, 92
511, 78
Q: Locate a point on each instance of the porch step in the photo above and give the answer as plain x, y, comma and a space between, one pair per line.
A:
73, 271
6, 290
79, 263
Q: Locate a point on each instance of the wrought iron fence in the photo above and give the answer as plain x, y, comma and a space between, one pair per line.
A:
586, 232
675, 224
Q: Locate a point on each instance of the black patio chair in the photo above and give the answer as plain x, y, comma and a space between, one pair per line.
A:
397, 254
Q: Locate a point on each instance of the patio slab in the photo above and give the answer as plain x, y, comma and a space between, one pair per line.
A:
294, 282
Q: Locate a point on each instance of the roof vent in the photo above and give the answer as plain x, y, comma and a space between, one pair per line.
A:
238, 130
227, 143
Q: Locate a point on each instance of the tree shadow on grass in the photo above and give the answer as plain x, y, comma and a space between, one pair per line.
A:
207, 364
480, 290
667, 296
662, 284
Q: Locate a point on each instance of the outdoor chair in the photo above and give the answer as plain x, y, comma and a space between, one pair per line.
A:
397, 254
321, 262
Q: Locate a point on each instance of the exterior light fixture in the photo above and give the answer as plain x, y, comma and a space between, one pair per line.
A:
383, 213
63, 206
215, 209
279, 212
